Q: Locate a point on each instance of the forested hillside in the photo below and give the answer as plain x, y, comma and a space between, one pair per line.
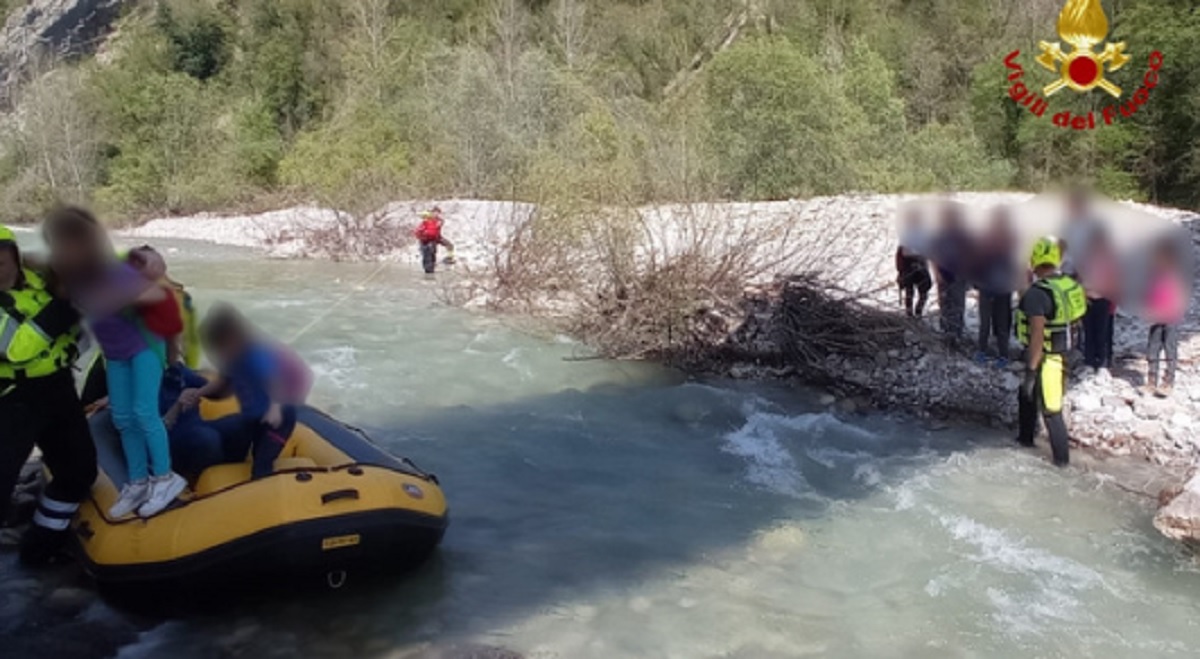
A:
206, 104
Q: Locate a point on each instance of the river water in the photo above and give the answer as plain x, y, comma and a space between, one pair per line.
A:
616, 510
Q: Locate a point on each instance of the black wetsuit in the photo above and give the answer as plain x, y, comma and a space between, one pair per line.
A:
1037, 302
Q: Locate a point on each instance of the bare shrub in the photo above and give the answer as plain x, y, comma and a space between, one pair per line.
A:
686, 283
361, 228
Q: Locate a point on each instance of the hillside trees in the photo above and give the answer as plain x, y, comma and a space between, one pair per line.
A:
203, 104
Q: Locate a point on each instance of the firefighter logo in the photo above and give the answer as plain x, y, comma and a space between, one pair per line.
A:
1083, 25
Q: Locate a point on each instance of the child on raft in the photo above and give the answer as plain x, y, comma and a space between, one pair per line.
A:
196, 444
111, 295
258, 375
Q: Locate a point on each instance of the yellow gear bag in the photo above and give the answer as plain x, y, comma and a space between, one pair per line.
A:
1053, 381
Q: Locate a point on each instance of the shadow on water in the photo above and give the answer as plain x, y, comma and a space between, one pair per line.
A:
559, 498
562, 497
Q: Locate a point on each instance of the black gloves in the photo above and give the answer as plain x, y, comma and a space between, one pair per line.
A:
1028, 382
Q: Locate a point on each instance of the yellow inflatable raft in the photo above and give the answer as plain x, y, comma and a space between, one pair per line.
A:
336, 507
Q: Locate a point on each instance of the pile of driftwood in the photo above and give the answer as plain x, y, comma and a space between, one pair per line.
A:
813, 319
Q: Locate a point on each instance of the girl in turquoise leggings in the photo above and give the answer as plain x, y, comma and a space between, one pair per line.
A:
109, 292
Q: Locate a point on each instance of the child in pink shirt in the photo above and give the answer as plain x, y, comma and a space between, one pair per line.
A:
1166, 304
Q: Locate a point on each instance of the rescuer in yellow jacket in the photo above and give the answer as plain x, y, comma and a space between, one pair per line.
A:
38, 404
1047, 310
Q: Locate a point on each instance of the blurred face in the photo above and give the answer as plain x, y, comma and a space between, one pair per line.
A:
1000, 226
224, 352
69, 254
229, 349
951, 219
10, 268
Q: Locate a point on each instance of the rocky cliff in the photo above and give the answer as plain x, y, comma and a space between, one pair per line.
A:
51, 29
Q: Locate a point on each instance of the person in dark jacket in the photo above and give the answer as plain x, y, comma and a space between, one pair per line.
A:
951, 254
912, 266
996, 280
1099, 272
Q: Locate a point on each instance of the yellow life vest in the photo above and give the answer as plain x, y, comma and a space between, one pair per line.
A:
1070, 304
28, 349
190, 339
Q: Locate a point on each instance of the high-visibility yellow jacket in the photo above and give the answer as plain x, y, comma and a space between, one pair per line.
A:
1070, 304
38, 332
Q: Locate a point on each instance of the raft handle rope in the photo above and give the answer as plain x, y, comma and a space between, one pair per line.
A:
335, 578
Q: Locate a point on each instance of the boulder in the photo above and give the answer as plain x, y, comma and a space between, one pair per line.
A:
1146, 430
1179, 518
1114, 402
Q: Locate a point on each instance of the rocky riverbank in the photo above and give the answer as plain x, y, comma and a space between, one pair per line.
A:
916, 372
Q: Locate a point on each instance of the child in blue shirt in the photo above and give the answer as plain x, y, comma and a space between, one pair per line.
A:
196, 444
248, 367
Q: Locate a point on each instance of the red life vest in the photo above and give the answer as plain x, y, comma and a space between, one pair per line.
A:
430, 231
163, 318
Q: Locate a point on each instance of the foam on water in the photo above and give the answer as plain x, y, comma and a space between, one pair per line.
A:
769, 464
338, 365
768, 440
514, 360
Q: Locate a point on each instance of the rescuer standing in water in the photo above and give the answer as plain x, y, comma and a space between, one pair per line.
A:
1044, 318
429, 235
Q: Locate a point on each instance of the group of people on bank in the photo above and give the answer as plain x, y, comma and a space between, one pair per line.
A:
1066, 300
148, 342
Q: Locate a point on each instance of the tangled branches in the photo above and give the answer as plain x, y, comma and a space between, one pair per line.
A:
815, 319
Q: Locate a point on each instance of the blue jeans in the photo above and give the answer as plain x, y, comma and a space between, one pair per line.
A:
133, 396
195, 446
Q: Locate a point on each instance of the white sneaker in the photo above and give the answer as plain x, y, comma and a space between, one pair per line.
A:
163, 490
133, 495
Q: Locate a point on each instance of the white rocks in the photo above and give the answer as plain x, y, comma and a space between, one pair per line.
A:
1179, 519
1087, 403
1123, 415
1146, 430
1010, 381
1114, 402
1182, 420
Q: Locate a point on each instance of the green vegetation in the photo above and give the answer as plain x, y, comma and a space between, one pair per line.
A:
204, 104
